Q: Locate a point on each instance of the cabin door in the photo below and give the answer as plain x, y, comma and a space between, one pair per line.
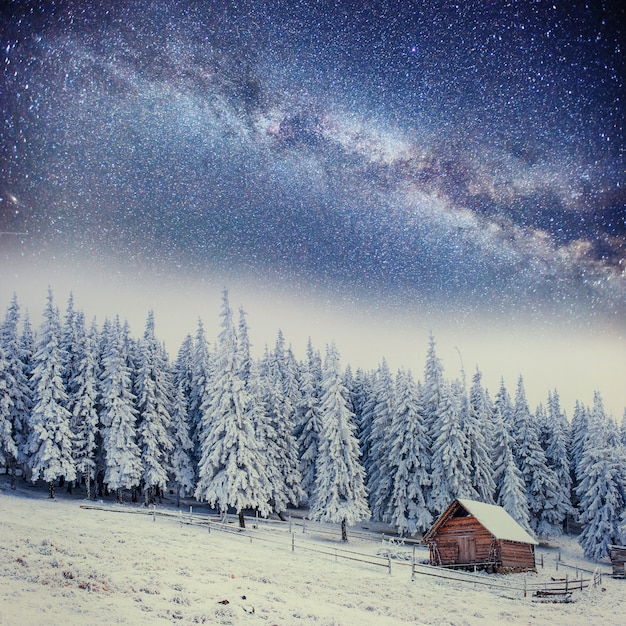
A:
467, 550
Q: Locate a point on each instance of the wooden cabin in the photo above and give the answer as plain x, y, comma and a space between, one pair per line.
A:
618, 559
475, 535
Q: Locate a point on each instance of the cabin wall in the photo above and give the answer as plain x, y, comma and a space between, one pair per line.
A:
461, 540
517, 557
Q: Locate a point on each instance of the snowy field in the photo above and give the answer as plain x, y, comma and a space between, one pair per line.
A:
61, 564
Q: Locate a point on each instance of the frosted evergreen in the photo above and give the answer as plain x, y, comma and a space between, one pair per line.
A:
8, 448
122, 454
602, 489
476, 425
85, 421
410, 461
340, 493
380, 476
183, 472
153, 391
231, 472
309, 419
451, 469
540, 481
50, 441
18, 352
275, 430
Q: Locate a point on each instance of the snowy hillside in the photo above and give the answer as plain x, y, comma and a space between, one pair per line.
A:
62, 564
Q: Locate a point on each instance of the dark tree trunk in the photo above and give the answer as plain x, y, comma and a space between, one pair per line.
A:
344, 530
119, 495
242, 520
51, 487
69, 486
61, 481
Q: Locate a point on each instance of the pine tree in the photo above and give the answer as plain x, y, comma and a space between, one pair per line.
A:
153, 390
278, 444
602, 489
85, 420
510, 489
182, 453
380, 478
340, 493
557, 429
8, 448
476, 423
540, 480
50, 442
578, 437
512, 492
18, 352
410, 460
231, 471
309, 420
119, 436
451, 469
201, 381
433, 388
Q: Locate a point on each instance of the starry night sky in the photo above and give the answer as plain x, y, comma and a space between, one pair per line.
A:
458, 159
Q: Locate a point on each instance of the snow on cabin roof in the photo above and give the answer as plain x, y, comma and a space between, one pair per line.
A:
497, 521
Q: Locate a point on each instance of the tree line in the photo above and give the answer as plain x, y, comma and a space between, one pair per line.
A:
95, 407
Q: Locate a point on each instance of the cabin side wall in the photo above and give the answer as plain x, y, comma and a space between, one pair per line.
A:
517, 557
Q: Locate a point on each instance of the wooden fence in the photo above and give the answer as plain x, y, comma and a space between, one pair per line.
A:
265, 530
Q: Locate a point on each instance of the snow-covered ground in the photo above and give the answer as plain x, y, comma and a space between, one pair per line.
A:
62, 564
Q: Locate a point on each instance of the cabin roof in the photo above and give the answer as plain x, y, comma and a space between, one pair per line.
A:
492, 517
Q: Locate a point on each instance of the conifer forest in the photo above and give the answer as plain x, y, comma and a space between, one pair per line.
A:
91, 407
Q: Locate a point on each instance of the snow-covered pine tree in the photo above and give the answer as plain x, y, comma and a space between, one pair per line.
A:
579, 430
183, 367
85, 420
364, 419
153, 390
201, 381
182, 465
380, 477
119, 416
602, 488
309, 420
72, 344
557, 441
50, 441
512, 492
477, 421
540, 480
510, 489
451, 470
410, 460
275, 433
340, 493
433, 389
18, 352
231, 472
8, 448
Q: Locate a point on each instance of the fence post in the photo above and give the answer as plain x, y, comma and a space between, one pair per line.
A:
290, 523
293, 542
190, 513
304, 525
524, 586
154, 512
557, 563
542, 561
389, 564
567, 582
